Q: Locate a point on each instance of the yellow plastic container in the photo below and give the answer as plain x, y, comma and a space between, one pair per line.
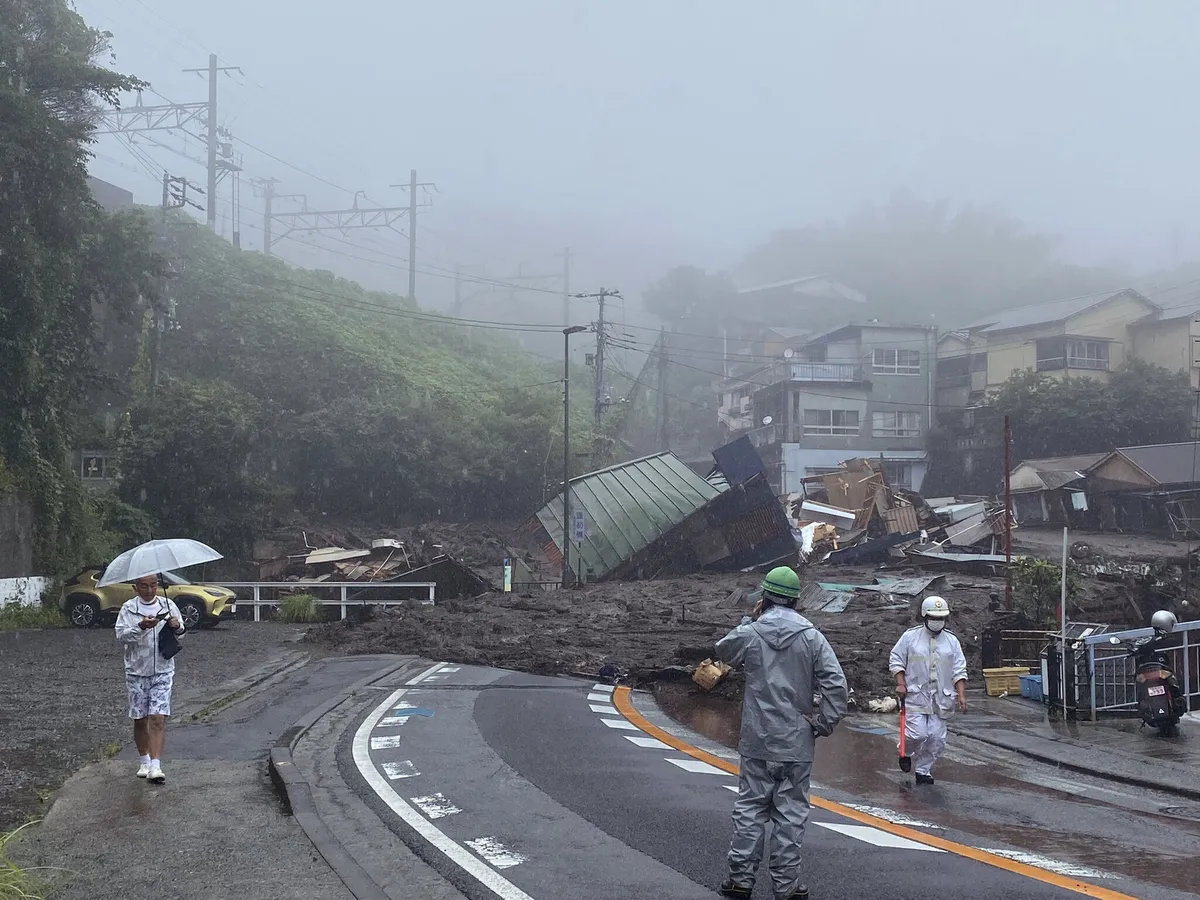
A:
1004, 680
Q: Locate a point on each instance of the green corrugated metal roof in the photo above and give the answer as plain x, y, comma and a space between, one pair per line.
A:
628, 507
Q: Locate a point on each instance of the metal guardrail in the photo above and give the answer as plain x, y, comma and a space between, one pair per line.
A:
1111, 672
268, 593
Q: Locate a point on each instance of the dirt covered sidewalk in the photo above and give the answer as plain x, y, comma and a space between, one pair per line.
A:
646, 627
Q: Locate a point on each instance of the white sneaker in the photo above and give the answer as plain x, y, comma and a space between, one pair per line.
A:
156, 775
144, 770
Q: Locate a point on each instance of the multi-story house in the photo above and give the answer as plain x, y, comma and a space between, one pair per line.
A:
857, 391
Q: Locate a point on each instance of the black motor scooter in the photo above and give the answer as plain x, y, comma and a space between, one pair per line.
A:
1159, 696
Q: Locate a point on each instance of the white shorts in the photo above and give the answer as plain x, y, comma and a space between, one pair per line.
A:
149, 695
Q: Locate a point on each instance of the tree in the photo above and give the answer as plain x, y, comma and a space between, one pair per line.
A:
690, 295
61, 257
1141, 404
914, 259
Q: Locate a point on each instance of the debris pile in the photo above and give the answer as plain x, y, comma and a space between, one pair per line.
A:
852, 516
386, 560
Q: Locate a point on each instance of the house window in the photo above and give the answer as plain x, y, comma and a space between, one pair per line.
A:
817, 353
1087, 355
1051, 354
831, 421
899, 475
93, 466
978, 362
896, 424
896, 362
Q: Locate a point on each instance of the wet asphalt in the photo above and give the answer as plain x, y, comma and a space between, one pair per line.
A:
526, 763
215, 831
560, 806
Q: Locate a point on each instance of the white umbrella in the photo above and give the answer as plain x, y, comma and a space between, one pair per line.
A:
153, 557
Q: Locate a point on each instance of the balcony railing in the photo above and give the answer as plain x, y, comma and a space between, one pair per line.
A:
776, 434
839, 373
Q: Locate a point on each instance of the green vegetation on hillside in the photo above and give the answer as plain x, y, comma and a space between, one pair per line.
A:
290, 389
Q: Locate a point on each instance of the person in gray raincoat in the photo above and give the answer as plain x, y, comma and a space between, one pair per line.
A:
788, 664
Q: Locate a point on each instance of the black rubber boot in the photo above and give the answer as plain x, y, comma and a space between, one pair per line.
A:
732, 889
800, 893
924, 779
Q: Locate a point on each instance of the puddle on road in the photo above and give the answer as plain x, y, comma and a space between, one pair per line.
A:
859, 760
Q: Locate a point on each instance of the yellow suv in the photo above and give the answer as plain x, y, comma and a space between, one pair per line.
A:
85, 604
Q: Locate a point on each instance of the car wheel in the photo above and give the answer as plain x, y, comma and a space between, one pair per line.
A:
83, 611
192, 611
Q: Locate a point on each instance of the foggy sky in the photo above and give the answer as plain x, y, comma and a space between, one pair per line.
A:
655, 133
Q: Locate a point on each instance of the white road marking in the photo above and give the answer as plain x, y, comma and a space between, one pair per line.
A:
451, 668
436, 806
603, 688
402, 769
620, 723
1059, 867
890, 815
604, 708
730, 787
385, 742
428, 673
695, 765
876, 837
495, 852
392, 721
599, 698
647, 742
490, 879
439, 675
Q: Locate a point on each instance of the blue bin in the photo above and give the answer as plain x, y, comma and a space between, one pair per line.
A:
1031, 687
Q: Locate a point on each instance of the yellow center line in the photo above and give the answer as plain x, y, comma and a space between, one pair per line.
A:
625, 706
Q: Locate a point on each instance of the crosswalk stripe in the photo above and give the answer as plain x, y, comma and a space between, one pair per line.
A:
385, 742
698, 766
648, 743
876, 837
620, 723
603, 708
603, 688
597, 697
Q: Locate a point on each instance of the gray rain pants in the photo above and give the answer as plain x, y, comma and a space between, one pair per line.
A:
775, 791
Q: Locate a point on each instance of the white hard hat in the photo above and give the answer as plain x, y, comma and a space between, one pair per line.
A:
1164, 620
935, 608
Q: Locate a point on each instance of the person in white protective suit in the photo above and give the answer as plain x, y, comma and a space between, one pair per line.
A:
795, 692
931, 677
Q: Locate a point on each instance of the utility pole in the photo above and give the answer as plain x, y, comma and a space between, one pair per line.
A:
566, 543
601, 296
413, 206
211, 115
566, 285
663, 431
267, 186
174, 196
1008, 516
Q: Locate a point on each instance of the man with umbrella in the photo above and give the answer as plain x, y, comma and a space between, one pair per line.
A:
149, 676
149, 654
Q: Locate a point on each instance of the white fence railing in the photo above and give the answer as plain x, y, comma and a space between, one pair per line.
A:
1112, 671
346, 594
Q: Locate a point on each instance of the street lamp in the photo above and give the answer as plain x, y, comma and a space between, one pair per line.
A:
566, 565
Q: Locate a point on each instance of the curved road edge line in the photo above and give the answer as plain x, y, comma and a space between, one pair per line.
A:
625, 706
361, 749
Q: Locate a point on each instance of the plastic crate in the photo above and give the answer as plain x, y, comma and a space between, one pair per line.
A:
1006, 680
1031, 687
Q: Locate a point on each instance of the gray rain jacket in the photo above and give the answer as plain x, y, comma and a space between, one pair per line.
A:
786, 660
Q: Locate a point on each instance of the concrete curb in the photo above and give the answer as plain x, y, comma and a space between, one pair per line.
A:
1049, 759
296, 794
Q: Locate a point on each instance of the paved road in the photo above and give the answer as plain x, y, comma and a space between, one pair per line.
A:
516, 786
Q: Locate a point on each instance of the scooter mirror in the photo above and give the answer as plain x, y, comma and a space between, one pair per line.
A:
1113, 640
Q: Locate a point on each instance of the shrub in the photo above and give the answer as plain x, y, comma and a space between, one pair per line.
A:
40, 615
1037, 590
300, 608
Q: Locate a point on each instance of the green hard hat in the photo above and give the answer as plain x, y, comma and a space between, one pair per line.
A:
782, 581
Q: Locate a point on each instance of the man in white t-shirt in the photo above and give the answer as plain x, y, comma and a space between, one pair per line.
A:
148, 675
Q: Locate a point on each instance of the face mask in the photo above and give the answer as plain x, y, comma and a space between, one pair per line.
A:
935, 625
